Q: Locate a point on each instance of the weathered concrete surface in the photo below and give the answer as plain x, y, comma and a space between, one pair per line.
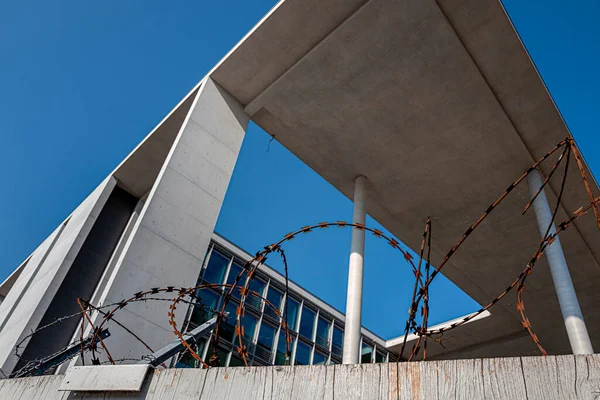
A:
122, 378
438, 104
170, 238
553, 377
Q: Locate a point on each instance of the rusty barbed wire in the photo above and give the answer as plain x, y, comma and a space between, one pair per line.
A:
546, 240
424, 276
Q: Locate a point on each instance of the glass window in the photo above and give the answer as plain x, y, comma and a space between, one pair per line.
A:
379, 357
292, 317
266, 336
307, 323
187, 361
366, 354
322, 336
216, 267
319, 359
227, 330
249, 322
274, 297
233, 273
207, 298
236, 361
302, 354
222, 355
258, 286
338, 341
281, 348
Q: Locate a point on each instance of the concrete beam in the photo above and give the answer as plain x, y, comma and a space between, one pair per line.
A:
170, 237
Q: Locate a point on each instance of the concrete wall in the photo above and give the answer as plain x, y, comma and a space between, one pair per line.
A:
29, 298
169, 239
553, 377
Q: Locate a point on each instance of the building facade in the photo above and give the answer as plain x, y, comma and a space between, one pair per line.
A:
316, 327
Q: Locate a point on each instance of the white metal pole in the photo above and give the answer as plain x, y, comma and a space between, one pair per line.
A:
355, 276
567, 298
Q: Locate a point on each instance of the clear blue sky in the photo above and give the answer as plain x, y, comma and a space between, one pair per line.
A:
82, 83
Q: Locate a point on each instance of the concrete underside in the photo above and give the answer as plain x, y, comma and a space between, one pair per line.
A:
439, 105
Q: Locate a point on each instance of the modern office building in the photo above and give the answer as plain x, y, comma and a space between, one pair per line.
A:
316, 327
410, 109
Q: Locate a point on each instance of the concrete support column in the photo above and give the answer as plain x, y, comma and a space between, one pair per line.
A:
567, 298
355, 276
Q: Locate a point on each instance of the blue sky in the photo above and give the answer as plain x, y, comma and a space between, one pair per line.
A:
82, 83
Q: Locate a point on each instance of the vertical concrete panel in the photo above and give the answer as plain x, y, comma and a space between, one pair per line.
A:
26, 304
171, 236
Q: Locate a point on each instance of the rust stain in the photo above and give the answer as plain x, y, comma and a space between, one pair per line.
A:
415, 375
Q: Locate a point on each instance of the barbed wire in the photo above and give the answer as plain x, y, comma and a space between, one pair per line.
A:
423, 271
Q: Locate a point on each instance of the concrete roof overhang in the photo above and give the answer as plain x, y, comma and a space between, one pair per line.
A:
440, 106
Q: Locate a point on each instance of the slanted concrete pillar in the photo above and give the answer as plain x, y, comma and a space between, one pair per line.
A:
168, 242
355, 276
567, 298
24, 307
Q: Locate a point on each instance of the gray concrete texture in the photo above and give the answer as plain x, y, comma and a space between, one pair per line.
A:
438, 104
554, 377
169, 239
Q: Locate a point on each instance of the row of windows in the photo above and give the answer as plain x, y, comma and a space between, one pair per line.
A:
316, 337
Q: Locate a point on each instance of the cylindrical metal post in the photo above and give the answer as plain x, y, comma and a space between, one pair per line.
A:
355, 276
567, 298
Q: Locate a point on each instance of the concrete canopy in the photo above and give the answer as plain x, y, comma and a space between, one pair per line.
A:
440, 106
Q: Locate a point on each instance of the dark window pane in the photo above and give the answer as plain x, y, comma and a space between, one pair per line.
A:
322, 336
366, 355
187, 361
307, 323
227, 330
379, 357
248, 327
221, 355
236, 361
281, 348
258, 286
293, 307
207, 298
338, 341
266, 336
302, 354
215, 270
274, 297
233, 273
319, 359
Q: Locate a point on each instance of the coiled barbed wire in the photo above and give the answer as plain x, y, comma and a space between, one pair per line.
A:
423, 278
